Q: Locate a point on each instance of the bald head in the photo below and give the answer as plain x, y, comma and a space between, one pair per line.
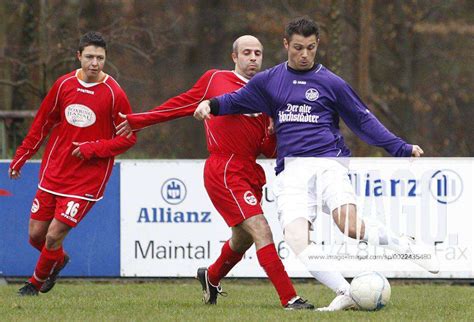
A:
247, 54
246, 39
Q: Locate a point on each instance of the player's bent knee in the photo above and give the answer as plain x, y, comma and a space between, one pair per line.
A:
54, 239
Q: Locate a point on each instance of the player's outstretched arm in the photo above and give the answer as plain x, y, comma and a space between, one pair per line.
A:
203, 111
179, 106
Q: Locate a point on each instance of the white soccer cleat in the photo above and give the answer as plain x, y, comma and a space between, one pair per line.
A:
340, 302
422, 255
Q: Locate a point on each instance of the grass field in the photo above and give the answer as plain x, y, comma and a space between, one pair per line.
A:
249, 300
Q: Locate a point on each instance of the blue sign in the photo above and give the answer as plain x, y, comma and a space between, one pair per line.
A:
94, 245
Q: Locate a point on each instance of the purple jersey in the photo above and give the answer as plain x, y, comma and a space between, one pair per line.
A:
306, 106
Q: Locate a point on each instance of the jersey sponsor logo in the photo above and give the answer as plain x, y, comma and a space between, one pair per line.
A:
297, 113
173, 191
250, 198
80, 115
312, 94
4, 192
86, 91
35, 206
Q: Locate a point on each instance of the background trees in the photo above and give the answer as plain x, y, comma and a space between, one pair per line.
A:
411, 60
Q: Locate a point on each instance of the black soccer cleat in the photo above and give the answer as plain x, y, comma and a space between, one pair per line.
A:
297, 303
28, 290
209, 291
51, 281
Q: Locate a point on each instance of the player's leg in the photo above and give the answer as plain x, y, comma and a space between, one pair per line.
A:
346, 219
68, 212
296, 202
52, 253
37, 230
233, 249
231, 253
257, 226
338, 194
42, 213
297, 237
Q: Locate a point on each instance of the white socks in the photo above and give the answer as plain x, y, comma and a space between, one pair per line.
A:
332, 279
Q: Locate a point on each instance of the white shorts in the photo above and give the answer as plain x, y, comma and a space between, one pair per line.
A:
308, 186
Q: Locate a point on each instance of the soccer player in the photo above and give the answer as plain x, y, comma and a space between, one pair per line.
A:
79, 113
306, 100
232, 177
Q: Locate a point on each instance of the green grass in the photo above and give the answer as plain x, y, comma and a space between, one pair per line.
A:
250, 300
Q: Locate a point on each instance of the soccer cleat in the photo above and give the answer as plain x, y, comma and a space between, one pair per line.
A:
51, 281
297, 303
209, 291
340, 302
421, 255
28, 290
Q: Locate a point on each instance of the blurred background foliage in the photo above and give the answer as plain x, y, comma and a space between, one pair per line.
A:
412, 61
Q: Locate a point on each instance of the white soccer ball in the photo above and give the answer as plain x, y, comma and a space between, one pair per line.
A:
370, 290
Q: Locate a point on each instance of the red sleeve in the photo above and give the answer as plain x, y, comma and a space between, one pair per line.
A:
115, 146
179, 106
47, 116
268, 145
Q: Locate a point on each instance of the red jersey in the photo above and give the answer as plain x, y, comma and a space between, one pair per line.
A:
243, 135
75, 111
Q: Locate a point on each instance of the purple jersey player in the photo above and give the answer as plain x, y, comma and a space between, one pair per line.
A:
306, 100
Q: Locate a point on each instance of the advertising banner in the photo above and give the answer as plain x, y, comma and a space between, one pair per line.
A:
93, 246
169, 227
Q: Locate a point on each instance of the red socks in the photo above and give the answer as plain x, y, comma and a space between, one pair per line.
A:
268, 259
47, 261
271, 263
227, 259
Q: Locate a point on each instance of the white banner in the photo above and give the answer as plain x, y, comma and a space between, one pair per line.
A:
170, 228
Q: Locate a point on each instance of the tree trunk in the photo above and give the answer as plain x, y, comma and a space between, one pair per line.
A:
44, 47
364, 47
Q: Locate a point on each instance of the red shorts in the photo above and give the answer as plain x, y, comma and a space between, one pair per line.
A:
234, 185
68, 210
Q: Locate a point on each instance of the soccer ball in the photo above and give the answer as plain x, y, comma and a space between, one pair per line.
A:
370, 291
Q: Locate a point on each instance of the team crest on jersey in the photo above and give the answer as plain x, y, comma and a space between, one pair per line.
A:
80, 115
250, 198
35, 206
312, 94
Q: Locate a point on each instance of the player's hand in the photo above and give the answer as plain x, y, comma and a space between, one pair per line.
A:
13, 174
203, 111
417, 151
77, 151
124, 128
271, 126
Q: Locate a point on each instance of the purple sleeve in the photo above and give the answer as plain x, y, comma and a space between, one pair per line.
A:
251, 98
365, 125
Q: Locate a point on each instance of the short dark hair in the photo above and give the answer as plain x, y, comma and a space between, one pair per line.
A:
93, 38
303, 26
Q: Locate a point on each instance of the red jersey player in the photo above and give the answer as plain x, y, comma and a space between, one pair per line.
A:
79, 113
232, 177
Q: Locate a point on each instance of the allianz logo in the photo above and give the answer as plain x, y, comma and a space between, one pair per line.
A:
445, 186
167, 215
